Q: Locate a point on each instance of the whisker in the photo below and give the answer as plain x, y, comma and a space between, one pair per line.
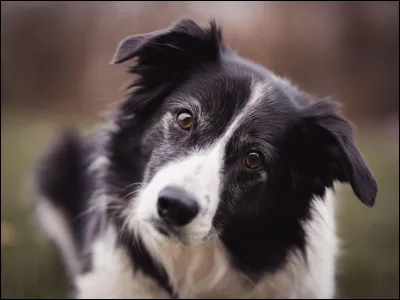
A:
132, 184
85, 212
135, 191
90, 209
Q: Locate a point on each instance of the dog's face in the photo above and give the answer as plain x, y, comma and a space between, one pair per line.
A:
209, 141
211, 145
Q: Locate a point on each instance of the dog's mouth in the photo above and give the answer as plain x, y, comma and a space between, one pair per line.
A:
167, 230
175, 235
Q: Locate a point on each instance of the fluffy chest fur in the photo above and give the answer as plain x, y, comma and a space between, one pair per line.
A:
205, 271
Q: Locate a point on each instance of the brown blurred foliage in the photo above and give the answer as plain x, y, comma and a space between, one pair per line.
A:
57, 53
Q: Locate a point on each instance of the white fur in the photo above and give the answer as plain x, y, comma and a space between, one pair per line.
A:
199, 175
54, 224
258, 92
98, 164
112, 276
203, 271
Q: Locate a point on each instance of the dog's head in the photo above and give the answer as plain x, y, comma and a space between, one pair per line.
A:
209, 143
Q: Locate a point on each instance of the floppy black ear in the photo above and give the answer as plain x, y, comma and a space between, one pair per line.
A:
184, 35
183, 42
332, 152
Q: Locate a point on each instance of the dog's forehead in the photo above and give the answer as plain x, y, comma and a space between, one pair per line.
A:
217, 86
232, 83
236, 90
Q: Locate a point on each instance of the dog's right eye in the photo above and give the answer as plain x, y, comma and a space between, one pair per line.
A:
253, 160
185, 120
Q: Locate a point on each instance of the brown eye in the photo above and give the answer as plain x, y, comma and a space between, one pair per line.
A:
185, 120
253, 160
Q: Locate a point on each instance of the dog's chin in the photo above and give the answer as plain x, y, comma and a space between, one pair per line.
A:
167, 234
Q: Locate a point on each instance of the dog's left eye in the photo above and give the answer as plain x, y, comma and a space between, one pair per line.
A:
185, 120
253, 160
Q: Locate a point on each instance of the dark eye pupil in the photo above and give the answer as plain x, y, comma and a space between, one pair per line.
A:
253, 160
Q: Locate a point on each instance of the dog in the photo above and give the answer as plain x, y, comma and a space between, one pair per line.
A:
213, 178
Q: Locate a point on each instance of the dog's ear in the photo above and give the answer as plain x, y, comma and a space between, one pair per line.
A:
329, 151
184, 42
163, 59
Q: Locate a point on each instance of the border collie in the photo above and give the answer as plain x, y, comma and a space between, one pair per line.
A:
213, 178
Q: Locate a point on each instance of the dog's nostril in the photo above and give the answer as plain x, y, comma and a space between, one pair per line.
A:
163, 206
176, 207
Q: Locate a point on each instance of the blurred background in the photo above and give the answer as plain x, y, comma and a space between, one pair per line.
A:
55, 72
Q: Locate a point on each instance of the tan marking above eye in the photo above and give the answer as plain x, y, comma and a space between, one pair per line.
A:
185, 120
253, 160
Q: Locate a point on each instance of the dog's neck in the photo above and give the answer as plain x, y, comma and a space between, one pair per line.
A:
198, 271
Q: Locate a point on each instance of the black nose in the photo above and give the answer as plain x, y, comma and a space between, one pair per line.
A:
176, 207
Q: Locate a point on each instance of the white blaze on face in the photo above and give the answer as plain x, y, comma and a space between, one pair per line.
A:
198, 174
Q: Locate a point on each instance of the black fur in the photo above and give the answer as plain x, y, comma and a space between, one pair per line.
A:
60, 176
306, 146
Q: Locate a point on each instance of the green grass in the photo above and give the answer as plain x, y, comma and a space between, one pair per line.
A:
368, 267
